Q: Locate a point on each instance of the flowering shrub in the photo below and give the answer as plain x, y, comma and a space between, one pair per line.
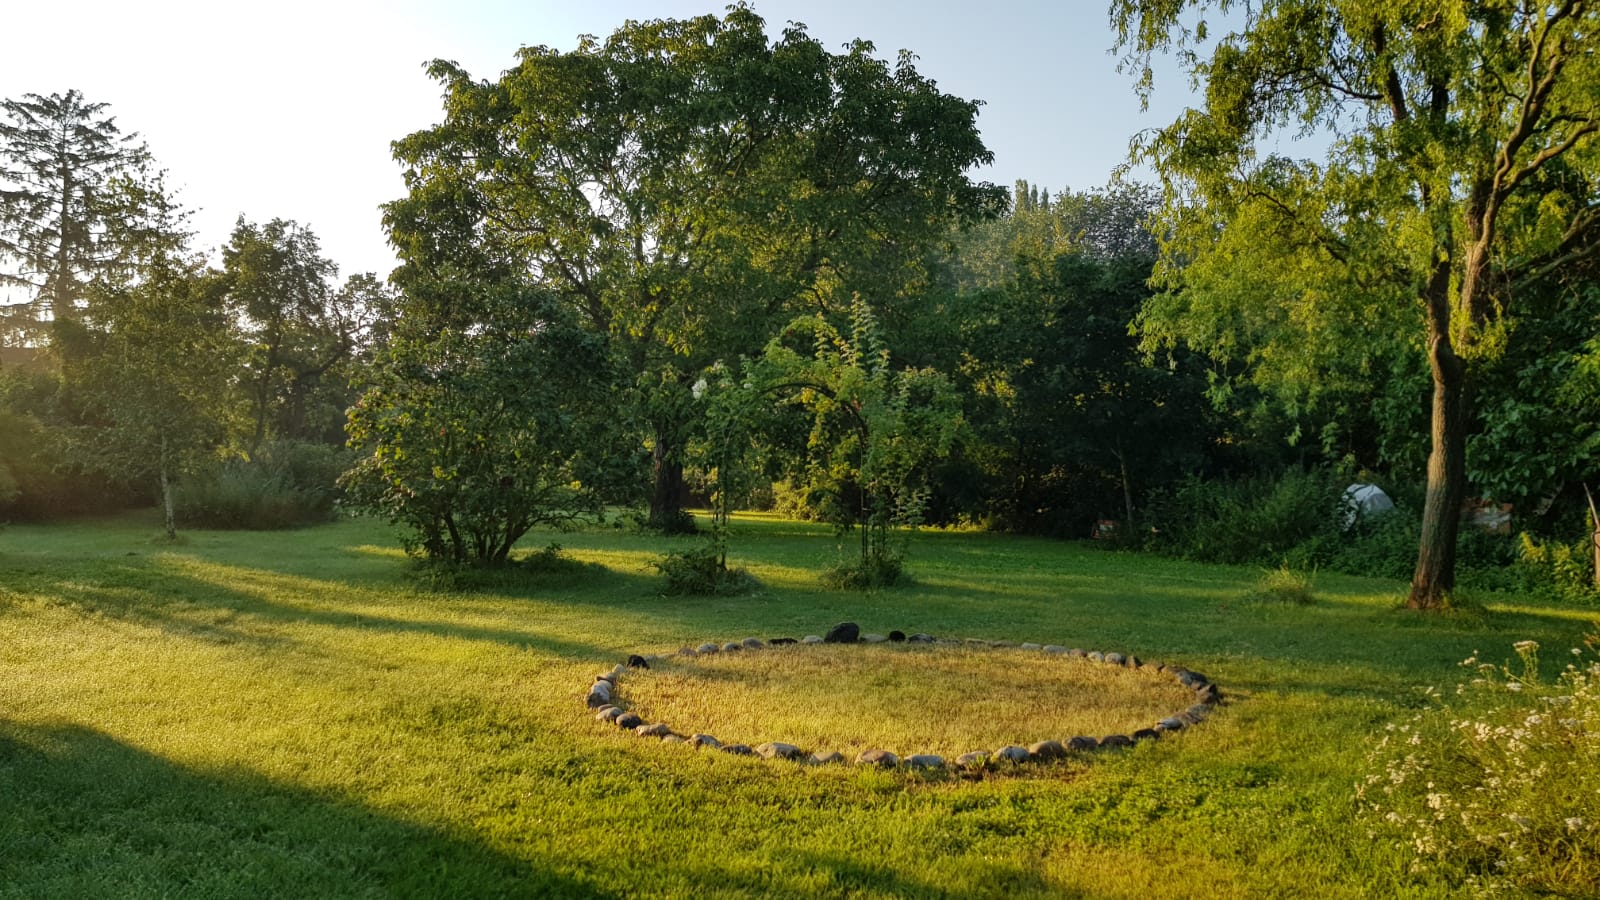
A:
1498, 786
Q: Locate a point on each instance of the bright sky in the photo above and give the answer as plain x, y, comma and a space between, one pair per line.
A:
286, 109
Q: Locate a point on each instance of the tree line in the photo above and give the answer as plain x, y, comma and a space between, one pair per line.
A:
692, 263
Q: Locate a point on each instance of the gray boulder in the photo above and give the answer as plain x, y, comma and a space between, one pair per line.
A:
707, 647
811, 639
659, 729
704, 740
751, 643
977, 759
628, 721
1081, 743
1054, 649
880, 758
1116, 740
1012, 753
1047, 750
775, 750
824, 759
925, 761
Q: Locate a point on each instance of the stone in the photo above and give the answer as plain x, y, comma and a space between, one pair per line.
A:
1116, 659
608, 714
638, 662
776, 750
925, 761
737, 749
843, 633
1075, 653
1208, 694
607, 677
1030, 646
1003, 644
1172, 723
687, 651
601, 687
1012, 753
1132, 662
596, 700
751, 643
732, 647
1096, 656
880, 758
977, 759
782, 642
1195, 712
1147, 734
674, 739
825, 759
1047, 750
704, 740
897, 636
811, 639
1054, 649
1116, 740
659, 729
920, 638
874, 638
1081, 743
628, 721
707, 647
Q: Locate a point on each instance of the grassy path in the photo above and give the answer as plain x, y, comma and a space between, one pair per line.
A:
276, 714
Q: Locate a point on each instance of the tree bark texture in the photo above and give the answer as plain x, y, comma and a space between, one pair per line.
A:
667, 497
1435, 574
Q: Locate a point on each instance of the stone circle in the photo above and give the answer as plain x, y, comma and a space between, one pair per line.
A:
603, 697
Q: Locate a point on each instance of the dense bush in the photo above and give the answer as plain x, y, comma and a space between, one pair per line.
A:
1497, 784
287, 484
1257, 519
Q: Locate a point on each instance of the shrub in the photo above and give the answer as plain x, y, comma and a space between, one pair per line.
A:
1557, 569
701, 572
875, 571
1497, 785
287, 484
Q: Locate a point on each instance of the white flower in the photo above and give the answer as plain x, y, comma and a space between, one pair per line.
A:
1534, 719
1525, 646
1513, 686
1574, 823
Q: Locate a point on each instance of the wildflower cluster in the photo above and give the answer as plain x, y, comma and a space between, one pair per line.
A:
1497, 786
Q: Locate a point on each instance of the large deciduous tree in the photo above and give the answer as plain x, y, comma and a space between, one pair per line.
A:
1460, 172
687, 187
75, 197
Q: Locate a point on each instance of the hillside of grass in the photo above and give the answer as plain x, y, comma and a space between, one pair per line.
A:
245, 715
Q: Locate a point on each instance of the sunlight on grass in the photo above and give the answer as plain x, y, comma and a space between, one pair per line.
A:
907, 698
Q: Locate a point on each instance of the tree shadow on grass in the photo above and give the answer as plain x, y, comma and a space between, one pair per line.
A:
85, 815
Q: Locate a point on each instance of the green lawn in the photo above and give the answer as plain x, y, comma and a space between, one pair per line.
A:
286, 714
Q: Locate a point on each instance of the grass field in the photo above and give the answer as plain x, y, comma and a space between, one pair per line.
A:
287, 714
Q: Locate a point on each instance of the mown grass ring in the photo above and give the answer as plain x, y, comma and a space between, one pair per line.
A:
1087, 684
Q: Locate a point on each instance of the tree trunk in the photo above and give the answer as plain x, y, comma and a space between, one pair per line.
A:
1435, 575
1594, 533
666, 500
171, 520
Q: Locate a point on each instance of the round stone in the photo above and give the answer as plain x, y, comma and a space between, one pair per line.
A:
843, 633
608, 714
897, 636
704, 740
1116, 659
1172, 723
1076, 653
1096, 656
1081, 743
737, 749
881, 758
629, 721
707, 647
920, 638
1047, 750
1147, 734
601, 687
811, 639
874, 638
752, 643
1054, 649
686, 651
1031, 646
596, 699
1116, 740
673, 739
659, 729
925, 761
776, 750
824, 759
1012, 753
977, 759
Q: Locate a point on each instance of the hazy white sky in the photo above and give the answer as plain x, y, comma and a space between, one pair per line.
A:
286, 109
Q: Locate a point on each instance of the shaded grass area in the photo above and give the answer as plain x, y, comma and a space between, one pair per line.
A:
906, 698
251, 714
